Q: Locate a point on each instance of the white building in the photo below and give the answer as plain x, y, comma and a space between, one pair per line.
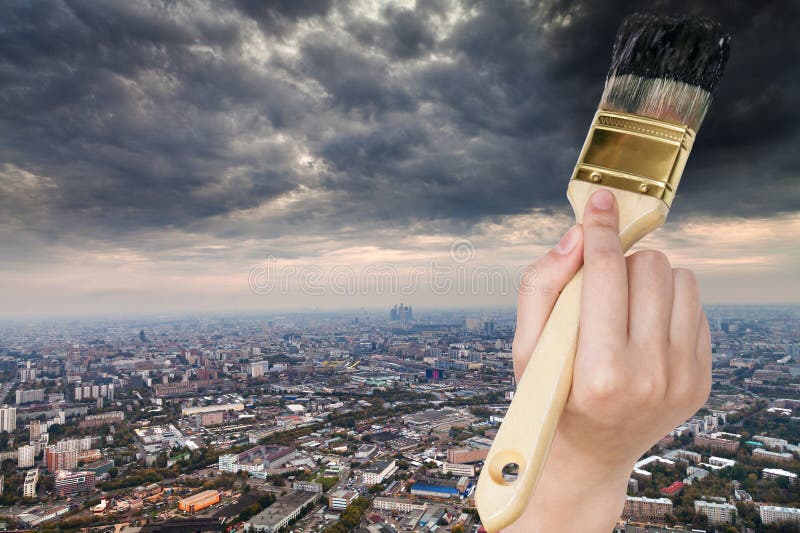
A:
258, 368
377, 472
395, 504
717, 513
29, 485
458, 469
774, 473
8, 418
771, 442
339, 500
772, 514
228, 462
780, 457
29, 396
26, 456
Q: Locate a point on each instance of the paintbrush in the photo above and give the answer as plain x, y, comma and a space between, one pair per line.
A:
664, 71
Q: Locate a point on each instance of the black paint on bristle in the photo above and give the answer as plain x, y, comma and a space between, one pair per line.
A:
689, 49
666, 67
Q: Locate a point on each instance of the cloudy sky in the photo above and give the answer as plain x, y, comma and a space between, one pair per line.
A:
176, 156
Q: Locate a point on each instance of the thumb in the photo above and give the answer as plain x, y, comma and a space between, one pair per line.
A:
541, 284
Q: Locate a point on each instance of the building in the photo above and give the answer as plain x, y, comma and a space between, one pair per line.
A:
401, 313
100, 467
258, 368
396, 504
67, 483
89, 456
435, 488
377, 472
771, 514
307, 486
466, 455
674, 489
29, 485
771, 442
719, 441
79, 444
8, 418
56, 459
684, 455
717, 513
473, 325
257, 459
646, 508
339, 500
223, 407
29, 396
199, 501
38, 516
36, 429
26, 456
458, 469
91, 391
102, 419
775, 473
694, 474
278, 515
778, 457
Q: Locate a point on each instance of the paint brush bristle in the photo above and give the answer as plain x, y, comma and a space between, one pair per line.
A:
666, 67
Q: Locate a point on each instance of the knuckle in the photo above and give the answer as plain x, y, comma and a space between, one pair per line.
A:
651, 388
652, 261
603, 387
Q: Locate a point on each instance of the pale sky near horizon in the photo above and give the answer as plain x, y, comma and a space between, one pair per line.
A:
163, 158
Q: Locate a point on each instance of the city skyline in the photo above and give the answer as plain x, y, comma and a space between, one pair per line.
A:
153, 158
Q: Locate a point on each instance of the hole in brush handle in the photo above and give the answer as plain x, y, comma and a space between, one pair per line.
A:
506, 467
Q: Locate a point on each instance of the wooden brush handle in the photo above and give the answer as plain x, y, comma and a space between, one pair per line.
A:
527, 431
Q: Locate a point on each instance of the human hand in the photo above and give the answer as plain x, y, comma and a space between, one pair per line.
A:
643, 366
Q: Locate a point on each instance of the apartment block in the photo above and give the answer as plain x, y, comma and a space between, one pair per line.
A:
717, 513
646, 508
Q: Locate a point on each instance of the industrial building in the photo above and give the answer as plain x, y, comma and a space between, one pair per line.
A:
199, 501
278, 515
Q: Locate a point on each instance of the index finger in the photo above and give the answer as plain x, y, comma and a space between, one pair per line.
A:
604, 298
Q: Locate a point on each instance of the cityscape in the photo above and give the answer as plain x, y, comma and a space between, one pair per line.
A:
259, 263
369, 421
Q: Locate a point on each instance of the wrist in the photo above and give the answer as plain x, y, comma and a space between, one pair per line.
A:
575, 493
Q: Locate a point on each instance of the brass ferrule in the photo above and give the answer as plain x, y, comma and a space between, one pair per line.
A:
636, 154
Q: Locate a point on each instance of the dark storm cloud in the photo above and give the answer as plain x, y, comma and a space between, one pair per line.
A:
280, 16
402, 33
146, 115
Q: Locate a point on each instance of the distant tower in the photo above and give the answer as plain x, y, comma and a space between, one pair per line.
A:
400, 313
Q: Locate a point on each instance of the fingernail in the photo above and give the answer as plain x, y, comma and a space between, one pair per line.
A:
603, 199
567, 242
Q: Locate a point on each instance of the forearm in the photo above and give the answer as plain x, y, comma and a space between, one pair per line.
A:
575, 493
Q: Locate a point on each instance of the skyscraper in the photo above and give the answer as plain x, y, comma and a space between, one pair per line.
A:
400, 313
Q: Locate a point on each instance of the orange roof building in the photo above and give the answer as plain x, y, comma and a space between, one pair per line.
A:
199, 501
